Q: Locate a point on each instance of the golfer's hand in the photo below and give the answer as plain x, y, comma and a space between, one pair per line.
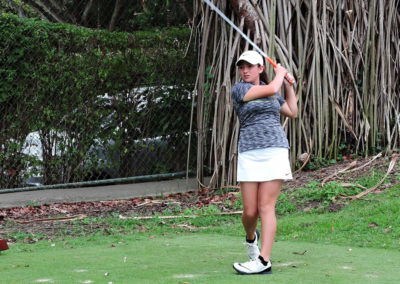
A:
280, 70
289, 80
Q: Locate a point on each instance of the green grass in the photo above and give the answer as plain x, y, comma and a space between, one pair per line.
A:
371, 222
190, 258
358, 244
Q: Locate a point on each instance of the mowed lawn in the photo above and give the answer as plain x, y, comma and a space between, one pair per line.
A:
358, 244
190, 258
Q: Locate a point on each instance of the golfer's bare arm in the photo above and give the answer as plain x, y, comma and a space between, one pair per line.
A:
262, 91
289, 108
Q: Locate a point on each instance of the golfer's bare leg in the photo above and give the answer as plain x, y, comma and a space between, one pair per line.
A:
268, 193
249, 191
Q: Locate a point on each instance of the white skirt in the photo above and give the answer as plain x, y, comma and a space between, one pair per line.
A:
264, 164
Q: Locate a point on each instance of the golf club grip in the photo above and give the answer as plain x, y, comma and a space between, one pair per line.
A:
288, 77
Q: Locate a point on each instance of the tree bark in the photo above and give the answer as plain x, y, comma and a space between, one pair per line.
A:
244, 9
62, 10
49, 10
38, 9
17, 7
85, 14
118, 5
186, 8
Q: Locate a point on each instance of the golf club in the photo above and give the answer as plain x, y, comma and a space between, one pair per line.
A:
288, 77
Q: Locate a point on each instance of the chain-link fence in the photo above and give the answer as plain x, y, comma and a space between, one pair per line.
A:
83, 104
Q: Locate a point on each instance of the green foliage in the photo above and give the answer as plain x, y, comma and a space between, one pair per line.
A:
316, 163
328, 193
134, 15
156, 14
372, 179
284, 205
225, 190
80, 88
365, 223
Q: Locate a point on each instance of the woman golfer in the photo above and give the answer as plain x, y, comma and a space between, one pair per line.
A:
263, 159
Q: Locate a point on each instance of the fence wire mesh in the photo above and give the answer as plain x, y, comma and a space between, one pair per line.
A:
84, 97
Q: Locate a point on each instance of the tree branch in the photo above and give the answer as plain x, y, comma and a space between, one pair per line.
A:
62, 10
185, 7
16, 7
86, 12
38, 9
118, 5
44, 11
244, 9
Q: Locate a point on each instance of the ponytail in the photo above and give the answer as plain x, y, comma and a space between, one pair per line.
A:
264, 76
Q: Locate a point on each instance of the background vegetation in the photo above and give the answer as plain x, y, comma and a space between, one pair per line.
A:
90, 94
118, 15
345, 56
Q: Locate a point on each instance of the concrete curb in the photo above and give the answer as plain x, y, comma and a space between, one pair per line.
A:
98, 193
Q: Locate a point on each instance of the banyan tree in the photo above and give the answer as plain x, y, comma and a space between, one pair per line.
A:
345, 56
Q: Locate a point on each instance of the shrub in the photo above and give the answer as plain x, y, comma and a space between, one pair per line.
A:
68, 83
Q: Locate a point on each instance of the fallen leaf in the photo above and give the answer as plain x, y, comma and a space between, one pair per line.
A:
373, 225
29, 240
307, 224
300, 253
141, 228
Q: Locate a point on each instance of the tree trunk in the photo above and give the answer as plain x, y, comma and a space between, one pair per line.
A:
114, 18
17, 7
85, 14
244, 9
186, 8
347, 77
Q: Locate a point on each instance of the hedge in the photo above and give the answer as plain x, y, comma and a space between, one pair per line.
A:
76, 87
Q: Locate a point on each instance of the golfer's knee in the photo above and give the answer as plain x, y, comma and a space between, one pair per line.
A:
266, 209
250, 213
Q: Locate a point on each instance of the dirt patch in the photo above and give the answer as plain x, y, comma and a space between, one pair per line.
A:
28, 219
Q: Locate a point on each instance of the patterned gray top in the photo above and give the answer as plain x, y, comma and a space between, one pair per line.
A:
259, 119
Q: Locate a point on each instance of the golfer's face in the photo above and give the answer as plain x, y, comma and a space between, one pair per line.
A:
250, 73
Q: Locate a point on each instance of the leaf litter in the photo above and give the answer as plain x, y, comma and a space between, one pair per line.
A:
49, 219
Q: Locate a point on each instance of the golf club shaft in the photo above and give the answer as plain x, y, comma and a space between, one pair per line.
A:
288, 77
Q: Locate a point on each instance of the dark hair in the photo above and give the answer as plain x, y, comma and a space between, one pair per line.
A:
264, 76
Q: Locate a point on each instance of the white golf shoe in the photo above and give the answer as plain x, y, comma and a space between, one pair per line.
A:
253, 267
